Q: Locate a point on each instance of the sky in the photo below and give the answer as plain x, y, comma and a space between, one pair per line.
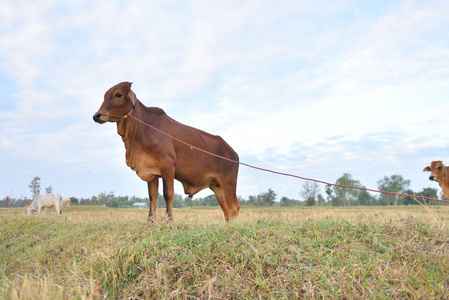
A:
311, 88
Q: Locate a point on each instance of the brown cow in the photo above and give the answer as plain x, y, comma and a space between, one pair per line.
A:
440, 174
154, 155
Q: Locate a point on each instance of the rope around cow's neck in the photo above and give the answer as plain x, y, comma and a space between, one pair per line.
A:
267, 170
124, 116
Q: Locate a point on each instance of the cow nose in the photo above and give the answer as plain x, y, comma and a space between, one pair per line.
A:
431, 177
97, 117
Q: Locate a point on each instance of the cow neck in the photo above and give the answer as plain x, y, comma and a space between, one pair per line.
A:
445, 172
131, 132
126, 127
445, 189
443, 182
33, 205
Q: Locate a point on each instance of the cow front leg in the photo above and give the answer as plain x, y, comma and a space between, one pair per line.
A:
168, 195
219, 194
153, 187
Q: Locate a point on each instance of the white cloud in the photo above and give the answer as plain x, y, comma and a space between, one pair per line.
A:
305, 88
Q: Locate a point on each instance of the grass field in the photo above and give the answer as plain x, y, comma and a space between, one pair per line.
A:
317, 252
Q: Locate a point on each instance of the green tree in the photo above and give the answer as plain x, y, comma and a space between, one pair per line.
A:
321, 201
268, 198
252, 200
345, 194
310, 193
285, 201
35, 186
160, 201
105, 199
211, 200
264, 199
409, 200
365, 198
8, 201
93, 201
74, 201
49, 189
329, 191
178, 201
189, 202
429, 192
394, 184
426, 192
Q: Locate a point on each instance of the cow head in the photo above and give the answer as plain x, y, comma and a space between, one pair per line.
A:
119, 100
30, 211
436, 168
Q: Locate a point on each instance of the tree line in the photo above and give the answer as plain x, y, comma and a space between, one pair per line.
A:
309, 195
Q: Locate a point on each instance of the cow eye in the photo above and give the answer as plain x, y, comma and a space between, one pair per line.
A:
440, 167
118, 95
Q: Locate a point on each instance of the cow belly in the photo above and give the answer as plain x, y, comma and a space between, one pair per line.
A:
193, 184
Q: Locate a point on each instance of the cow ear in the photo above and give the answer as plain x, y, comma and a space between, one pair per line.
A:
132, 97
426, 169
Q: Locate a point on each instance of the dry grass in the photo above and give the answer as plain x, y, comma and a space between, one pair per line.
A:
316, 252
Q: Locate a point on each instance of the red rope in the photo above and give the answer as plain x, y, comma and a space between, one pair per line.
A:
275, 172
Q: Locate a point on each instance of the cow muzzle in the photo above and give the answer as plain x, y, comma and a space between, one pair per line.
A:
433, 178
97, 118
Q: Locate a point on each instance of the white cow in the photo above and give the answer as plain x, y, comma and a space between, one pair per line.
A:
44, 201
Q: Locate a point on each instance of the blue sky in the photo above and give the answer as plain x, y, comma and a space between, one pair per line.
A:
313, 89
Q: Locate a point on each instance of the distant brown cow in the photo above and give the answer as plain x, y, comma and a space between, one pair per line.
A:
440, 174
154, 155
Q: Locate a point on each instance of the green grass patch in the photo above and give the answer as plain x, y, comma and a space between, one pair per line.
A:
283, 254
